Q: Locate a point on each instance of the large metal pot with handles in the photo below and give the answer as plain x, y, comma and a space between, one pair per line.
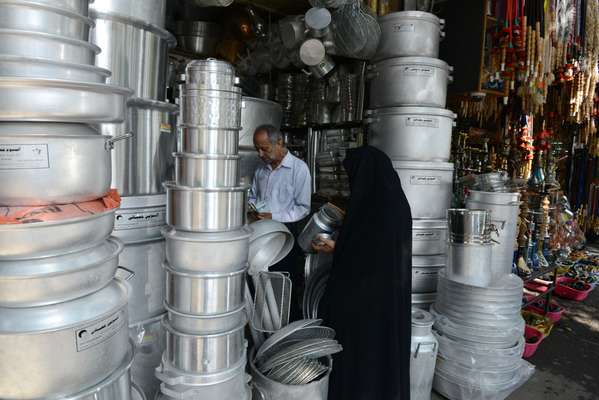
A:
409, 81
256, 112
411, 133
88, 337
148, 11
44, 164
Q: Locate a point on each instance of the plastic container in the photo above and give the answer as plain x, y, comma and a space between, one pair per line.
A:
564, 291
533, 337
538, 307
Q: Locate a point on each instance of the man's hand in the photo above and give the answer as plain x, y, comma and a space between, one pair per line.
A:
262, 216
324, 246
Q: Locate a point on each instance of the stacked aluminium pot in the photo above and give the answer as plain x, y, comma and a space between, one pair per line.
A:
478, 322
63, 318
207, 244
408, 121
135, 47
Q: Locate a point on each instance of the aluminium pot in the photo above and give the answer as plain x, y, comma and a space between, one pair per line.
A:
47, 46
428, 187
149, 339
142, 64
43, 164
207, 252
208, 141
204, 354
209, 74
204, 293
59, 278
412, 133
470, 264
43, 239
326, 220
87, 336
214, 109
207, 324
42, 18
143, 163
425, 272
469, 225
429, 237
205, 210
141, 11
26, 67
409, 81
256, 112
410, 34
80, 7
206, 170
199, 37
140, 218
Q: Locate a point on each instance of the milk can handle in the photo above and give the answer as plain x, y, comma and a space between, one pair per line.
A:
425, 344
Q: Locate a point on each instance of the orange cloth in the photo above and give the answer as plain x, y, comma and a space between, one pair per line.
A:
57, 212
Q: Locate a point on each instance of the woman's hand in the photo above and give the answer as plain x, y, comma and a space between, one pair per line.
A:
323, 246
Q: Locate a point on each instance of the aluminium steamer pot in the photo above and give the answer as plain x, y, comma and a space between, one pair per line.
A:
206, 170
208, 140
209, 74
146, 11
429, 237
43, 164
205, 210
27, 67
88, 337
409, 81
410, 34
64, 277
411, 133
213, 109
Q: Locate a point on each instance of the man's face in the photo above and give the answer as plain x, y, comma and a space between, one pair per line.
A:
268, 152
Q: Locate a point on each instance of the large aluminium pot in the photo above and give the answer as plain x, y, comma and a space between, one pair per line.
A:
199, 37
43, 164
87, 337
409, 81
206, 170
140, 218
59, 278
140, 166
425, 272
427, 186
412, 133
141, 65
213, 109
256, 112
147, 11
248, 164
208, 141
409, 34
470, 264
429, 237
27, 67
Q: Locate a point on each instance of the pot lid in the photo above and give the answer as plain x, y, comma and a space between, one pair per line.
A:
419, 61
429, 261
429, 224
270, 242
421, 318
410, 15
102, 303
229, 236
24, 129
433, 111
424, 165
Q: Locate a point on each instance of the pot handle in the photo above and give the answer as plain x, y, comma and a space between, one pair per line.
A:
425, 344
124, 274
110, 142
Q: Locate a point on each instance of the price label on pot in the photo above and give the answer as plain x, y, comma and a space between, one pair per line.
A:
24, 156
425, 180
100, 331
418, 71
128, 220
403, 28
423, 122
425, 236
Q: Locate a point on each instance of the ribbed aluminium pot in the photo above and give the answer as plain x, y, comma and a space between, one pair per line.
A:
452, 387
215, 109
208, 141
149, 338
425, 272
205, 210
64, 277
209, 74
148, 11
45, 164
204, 293
409, 34
43, 239
468, 319
204, 354
256, 112
87, 336
142, 64
208, 171
36, 17
409, 81
411, 133
428, 187
143, 163
27, 67
207, 324
470, 263
140, 218
474, 374
429, 237
43, 45
207, 252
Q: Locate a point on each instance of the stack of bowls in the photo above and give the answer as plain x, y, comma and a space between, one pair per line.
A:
135, 47
59, 301
409, 122
207, 244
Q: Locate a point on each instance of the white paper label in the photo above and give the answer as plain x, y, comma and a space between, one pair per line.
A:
125, 220
422, 122
425, 236
425, 180
418, 71
403, 28
24, 156
99, 332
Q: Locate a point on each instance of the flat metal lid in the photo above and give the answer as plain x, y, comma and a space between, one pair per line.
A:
318, 18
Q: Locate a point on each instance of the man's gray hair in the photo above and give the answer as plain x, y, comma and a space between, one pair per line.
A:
273, 133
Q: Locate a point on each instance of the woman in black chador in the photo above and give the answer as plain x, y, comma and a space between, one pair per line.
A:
368, 297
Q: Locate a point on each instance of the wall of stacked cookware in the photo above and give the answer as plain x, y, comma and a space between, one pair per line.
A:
63, 316
207, 243
135, 48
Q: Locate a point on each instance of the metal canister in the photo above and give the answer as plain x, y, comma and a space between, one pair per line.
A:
423, 355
